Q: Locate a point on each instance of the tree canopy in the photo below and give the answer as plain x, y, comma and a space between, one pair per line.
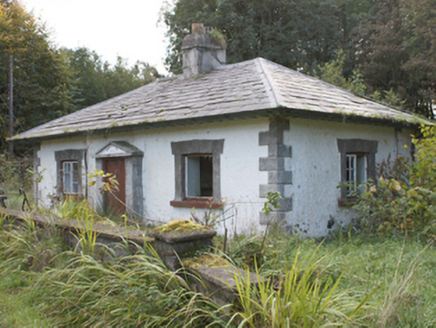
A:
51, 82
42, 79
388, 45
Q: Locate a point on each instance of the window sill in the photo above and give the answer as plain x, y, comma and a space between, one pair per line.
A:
196, 203
347, 202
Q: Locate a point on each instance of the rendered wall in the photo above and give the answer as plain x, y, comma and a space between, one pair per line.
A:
314, 162
240, 175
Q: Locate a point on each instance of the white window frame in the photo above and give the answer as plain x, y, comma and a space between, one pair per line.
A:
70, 177
356, 172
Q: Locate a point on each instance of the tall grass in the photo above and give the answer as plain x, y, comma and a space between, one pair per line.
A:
75, 289
133, 291
298, 298
308, 283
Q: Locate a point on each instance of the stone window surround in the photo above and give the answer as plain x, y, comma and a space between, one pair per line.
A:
189, 147
356, 146
68, 155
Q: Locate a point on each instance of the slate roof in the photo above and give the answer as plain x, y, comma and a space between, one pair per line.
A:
252, 88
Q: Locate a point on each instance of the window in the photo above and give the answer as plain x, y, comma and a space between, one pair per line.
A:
357, 160
356, 173
198, 176
69, 165
197, 173
70, 174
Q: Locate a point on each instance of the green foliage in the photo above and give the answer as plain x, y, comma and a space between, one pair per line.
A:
96, 80
109, 181
42, 79
404, 202
297, 34
305, 298
333, 73
272, 203
15, 173
51, 82
396, 50
132, 291
385, 48
70, 208
77, 290
29, 249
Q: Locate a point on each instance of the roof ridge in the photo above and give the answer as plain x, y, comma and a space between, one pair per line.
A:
273, 94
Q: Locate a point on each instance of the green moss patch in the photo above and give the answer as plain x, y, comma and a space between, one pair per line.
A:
208, 260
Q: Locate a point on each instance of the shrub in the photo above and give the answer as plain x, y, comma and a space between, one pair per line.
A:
16, 173
404, 200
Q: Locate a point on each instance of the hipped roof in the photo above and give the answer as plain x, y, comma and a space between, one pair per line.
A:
252, 88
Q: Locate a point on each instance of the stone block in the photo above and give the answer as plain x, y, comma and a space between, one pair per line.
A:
271, 163
264, 138
280, 177
265, 188
279, 151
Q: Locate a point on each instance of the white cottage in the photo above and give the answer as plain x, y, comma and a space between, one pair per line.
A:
224, 134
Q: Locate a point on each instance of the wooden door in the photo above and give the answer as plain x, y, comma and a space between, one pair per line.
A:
115, 202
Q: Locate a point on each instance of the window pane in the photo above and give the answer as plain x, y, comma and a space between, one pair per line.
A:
199, 176
361, 169
193, 176
206, 176
70, 178
361, 175
351, 173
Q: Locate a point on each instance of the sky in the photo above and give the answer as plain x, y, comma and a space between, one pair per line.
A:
127, 28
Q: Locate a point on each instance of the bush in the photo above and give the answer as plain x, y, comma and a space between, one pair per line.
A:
16, 173
404, 200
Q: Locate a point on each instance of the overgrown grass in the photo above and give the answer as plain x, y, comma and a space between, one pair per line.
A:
74, 289
345, 280
400, 271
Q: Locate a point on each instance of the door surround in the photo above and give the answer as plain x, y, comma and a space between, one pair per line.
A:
133, 158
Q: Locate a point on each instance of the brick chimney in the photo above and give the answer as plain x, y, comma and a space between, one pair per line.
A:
202, 52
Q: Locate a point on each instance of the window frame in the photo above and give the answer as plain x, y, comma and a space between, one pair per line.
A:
69, 155
73, 173
352, 184
183, 149
358, 147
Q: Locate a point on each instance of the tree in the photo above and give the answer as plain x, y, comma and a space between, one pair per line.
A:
298, 34
42, 80
51, 82
388, 45
96, 80
397, 49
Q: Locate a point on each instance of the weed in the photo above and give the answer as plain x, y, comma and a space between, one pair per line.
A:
303, 298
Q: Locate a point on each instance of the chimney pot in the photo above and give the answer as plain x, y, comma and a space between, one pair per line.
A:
197, 28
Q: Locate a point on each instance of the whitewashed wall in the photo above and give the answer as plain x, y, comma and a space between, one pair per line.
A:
316, 168
315, 164
240, 176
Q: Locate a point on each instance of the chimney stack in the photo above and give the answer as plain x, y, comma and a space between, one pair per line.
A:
202, 52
